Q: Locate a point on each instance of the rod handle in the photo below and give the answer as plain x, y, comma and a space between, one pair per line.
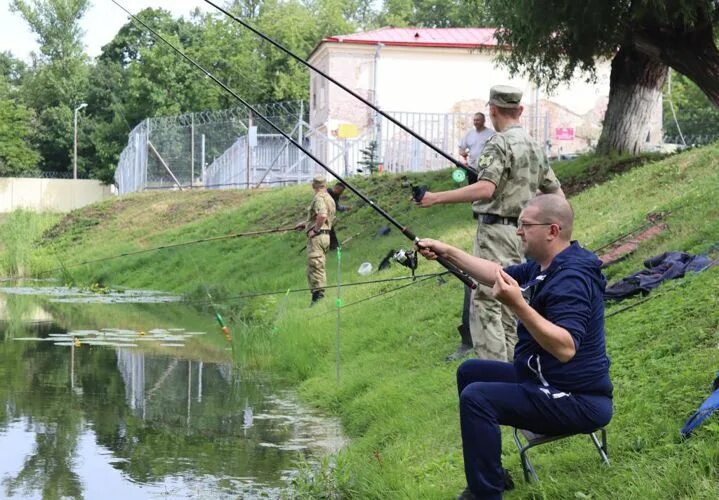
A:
461, 275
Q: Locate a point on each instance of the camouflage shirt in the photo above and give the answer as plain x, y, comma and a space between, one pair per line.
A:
323, 204
518, 167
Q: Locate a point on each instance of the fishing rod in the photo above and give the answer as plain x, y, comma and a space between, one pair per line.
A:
173, 245
297, 58
461, 275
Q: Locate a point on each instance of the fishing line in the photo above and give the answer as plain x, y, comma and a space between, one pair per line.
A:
461, 275
338, 303
415, 282
172, 245
297, 58
295, 290
381, 294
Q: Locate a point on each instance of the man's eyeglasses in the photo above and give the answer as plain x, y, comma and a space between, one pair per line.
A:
522, 225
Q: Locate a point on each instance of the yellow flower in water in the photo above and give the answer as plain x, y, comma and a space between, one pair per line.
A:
76, 341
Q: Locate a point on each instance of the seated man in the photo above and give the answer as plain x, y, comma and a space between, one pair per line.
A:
559, 381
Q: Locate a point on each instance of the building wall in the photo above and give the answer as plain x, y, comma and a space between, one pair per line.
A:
448, 80
50, 195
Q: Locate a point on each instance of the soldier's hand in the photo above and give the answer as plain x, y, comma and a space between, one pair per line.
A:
431, 249
427, 200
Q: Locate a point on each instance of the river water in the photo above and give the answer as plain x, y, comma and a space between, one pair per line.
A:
127, 396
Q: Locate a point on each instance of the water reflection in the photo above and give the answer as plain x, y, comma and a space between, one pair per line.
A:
105, 422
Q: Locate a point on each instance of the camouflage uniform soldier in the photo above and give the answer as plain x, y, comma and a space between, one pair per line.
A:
511, 169
320, 217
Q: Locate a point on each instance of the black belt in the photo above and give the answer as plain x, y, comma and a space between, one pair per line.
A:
498, 219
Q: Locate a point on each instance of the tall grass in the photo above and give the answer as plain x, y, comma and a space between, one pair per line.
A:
20, 230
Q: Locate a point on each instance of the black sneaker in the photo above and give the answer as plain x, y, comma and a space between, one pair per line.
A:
508, 486
467, 495
462, 351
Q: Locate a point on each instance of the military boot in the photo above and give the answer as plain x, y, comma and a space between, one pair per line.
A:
316, 297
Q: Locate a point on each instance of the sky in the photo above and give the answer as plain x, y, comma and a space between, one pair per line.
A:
100, 24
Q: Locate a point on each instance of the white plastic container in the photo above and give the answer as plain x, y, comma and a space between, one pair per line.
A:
365, 269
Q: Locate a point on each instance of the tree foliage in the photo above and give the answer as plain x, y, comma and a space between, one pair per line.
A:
696, 117
433, 14
552, 44
17, 154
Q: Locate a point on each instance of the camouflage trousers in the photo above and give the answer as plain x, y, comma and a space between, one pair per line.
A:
492, 325
316, 256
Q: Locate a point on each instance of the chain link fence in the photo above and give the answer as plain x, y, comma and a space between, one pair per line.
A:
234, 149
211, 149
691, 140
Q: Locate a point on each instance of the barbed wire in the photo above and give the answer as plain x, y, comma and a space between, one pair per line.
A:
273, 109
40, 174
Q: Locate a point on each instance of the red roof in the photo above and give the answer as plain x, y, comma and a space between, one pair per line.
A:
422, 37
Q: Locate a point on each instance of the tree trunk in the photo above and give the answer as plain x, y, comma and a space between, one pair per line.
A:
692, 53
635, 86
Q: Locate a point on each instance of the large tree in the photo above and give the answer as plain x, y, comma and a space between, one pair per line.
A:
551, 42
57, 80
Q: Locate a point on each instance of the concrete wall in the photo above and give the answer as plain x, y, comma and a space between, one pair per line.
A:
50, 195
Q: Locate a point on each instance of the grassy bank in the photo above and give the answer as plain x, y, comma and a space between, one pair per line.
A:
395, 393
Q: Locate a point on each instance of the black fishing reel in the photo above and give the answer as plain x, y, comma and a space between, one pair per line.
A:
418, 192
408, 258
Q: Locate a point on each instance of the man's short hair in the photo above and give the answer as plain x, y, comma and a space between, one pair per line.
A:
510, 112
556, 209
340, 185
479, 113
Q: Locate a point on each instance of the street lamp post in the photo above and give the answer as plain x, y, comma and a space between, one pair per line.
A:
74, 149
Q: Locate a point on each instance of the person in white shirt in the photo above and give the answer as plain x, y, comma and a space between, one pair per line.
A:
472, 144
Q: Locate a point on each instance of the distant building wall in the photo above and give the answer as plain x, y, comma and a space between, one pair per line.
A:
50, 195
454, 80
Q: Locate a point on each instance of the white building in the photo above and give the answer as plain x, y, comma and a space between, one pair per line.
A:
433, 80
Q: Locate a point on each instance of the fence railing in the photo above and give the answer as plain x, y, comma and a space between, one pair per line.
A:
213, 150
691, 140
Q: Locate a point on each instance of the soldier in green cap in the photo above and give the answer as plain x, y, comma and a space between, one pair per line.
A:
511, 170
320, 217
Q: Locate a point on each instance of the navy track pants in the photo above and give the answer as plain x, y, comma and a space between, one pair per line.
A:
491, 395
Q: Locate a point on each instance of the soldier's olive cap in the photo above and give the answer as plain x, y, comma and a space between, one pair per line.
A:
319, 180
504, 96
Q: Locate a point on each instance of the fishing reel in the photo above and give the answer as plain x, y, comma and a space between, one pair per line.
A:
418, 192
407, 258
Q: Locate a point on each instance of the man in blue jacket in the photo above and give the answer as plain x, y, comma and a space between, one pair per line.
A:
559, 381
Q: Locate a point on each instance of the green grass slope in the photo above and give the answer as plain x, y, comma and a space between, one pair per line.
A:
396, 394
